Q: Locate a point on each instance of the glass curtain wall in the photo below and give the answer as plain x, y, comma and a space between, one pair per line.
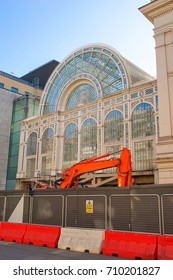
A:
17, 116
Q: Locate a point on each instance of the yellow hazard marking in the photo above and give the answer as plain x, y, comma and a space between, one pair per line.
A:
89, 206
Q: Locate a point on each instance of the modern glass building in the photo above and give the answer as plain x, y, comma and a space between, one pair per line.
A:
95, 101
23, 107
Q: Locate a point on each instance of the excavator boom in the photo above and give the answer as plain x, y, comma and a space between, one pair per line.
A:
123, 165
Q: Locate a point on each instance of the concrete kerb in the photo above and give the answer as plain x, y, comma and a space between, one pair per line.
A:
81, 240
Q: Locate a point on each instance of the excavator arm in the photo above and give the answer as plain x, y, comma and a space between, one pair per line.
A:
123, 164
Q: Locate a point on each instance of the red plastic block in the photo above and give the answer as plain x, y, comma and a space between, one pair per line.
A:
130, 245
40, 235
165, 247
12, 232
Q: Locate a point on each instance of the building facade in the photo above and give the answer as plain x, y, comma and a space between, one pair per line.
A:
95, 101
160, 14
11, 90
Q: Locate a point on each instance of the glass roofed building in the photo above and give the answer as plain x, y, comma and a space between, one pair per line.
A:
95, 101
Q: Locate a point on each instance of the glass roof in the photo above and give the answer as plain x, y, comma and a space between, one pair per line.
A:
103, 67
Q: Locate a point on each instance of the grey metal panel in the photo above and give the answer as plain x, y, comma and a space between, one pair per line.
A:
120, 212
167, 213
71, 211
77, 216
11, 203
48, 209
145, 213
26, 209
2, 205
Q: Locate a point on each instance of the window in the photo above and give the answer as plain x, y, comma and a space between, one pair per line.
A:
70, 154
143, 121
88, 147
144, 155
82, 95
30, 168
47, 141
113, 127
1, 85
47, 149
32, 144
14, 89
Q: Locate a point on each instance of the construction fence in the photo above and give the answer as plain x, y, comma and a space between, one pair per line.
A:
141, 209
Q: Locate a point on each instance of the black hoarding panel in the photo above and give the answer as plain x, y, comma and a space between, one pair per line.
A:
120, 212
167, 214
26, 208
145, 213
71, 210
12, 203
86, 211
48, 210
2, 201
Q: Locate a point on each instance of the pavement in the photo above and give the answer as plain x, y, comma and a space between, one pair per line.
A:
17, 251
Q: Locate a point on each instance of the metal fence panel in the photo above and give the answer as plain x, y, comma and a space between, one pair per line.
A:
167, 213
2, 208
48, 209
11, 208
26, 208
86, 211
120, 212
145, 213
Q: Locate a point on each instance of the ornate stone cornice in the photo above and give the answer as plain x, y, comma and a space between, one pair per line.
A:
156, 8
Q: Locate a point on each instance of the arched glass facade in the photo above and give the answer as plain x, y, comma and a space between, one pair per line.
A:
88, 140
70, 151
92, 105
82, 95
143, 121
99, 65
113, 127
46, 150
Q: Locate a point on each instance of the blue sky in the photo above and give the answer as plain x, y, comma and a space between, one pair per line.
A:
34, 32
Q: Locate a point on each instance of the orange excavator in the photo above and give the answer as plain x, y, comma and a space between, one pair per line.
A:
71, 175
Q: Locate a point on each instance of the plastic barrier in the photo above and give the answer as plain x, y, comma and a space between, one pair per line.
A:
130, 245
42, 235
12, 232
81, 240
165, 247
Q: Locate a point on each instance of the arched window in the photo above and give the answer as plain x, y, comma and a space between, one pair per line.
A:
47, 141
46, 150
88, 147
82, 95
31, 154
143, 121
32, 144
70, 145
113, 127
